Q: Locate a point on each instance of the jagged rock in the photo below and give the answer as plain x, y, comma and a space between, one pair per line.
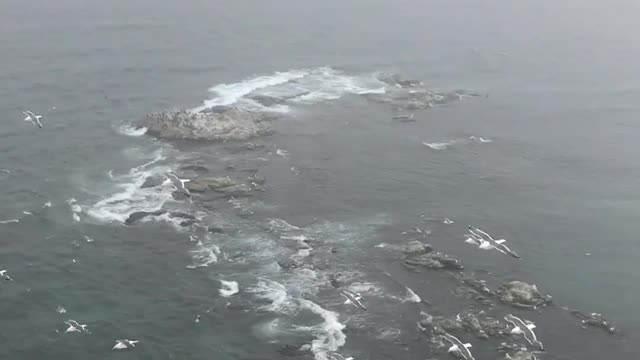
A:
293, 350
415, 248
181, 215
139, 215
434, 261
478, 285
522, 295
153, 181
202, 184
595, 320
229, 124
195, 168
187, 223
483, 327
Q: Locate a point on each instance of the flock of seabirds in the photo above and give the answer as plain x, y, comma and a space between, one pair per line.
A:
475, 236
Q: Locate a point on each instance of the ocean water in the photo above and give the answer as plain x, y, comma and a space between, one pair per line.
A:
545, 158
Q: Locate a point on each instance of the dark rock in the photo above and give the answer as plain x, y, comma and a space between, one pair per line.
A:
180, 195
181, 215
289, 264
478, 285
139, 215
522, 295
293, 350
230, 124
595, 320
153, 181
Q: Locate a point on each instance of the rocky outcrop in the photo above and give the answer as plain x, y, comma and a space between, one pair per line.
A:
522, 295
480, 325
229, 124
434, 261
416, 248
186, 219
520, 355
206, 183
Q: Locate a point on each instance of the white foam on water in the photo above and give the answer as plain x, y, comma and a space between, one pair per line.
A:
27, 212
305, 86
329, 335
204, 256
129, 130
480, 138
439, 146
46, 205
61, 310
228, 288
9, 221
276, 294
229, 94
129, 197
366, 288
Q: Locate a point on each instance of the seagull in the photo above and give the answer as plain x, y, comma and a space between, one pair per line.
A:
124, 344
497, 244
35, 119
354, 299
524, 328
177, 181
75, 327
458, 347
4, 275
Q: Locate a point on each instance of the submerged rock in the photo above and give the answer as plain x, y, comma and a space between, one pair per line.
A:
480, 325
522, 295
230, 124
595, 320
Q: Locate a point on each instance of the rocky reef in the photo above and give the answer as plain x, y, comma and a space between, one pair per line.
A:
225, 125
417, 254
522, 295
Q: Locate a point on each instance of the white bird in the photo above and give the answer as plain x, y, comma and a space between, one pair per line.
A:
178, 184
458, 347
75, 327
524, 328
35, 119
353, 298
124, 344
4, 275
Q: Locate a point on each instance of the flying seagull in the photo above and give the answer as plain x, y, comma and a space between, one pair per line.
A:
497, 244
178, 184
458, 347
4, 275
354, 299
75, 327
124, 344
35, 119
524, 328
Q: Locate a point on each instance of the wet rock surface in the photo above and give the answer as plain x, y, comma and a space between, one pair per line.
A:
522, 295
153, 181
594, 320
434, 261
229, 124
214, 183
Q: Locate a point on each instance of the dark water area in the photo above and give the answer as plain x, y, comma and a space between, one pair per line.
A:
544, 157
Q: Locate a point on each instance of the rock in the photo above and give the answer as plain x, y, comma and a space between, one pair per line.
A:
415, 248
522, 295
195, 168
521, 355
202, 184
289, 264
483, 327
139, 215
181, 215
293, 350
434, 261
256, 179
479, 286
153, 181
595, 320
229, 124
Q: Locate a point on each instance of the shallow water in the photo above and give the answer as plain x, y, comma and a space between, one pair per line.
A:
557, 179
